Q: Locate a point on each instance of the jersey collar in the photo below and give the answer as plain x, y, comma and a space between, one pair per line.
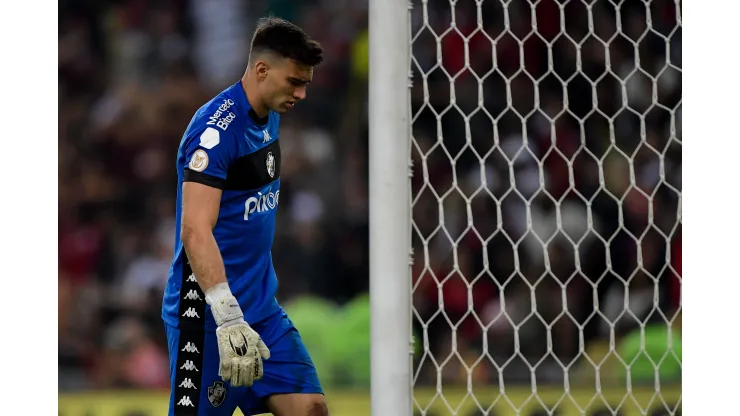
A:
241, 99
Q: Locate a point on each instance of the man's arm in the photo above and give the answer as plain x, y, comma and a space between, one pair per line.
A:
200, 206
241, 349
208, 160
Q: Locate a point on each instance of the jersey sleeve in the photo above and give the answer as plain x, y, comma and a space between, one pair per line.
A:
208, 156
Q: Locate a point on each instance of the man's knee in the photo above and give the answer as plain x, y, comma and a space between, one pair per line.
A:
318, 407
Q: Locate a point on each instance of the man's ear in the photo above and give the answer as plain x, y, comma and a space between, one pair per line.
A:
261, 69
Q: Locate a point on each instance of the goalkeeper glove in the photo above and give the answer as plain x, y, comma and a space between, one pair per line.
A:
240, 348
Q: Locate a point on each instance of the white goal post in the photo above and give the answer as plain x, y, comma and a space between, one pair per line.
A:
390, 207
525, 207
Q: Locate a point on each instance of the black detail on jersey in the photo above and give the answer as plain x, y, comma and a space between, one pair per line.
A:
192, 312
260, 121
251, 171
202, 178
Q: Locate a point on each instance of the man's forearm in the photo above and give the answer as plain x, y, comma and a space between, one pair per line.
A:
205, 258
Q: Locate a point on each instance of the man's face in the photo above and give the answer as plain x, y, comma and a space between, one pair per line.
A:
286, 84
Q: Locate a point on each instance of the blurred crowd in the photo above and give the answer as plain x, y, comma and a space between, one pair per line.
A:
513, 188
547, 186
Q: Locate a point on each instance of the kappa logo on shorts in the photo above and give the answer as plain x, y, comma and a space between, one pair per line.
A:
189, 366
193, 295
217, 393
191, 313
188, 384
185, 402
191, 348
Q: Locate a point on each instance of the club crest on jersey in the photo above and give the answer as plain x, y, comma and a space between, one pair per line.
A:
217, 393
199, 161
270, 164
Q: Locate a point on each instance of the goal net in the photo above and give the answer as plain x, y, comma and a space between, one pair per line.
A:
546, 207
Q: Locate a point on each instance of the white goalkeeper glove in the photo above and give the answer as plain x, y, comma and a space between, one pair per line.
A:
240, 348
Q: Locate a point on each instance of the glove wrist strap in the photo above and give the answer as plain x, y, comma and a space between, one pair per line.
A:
224, 306
217, 292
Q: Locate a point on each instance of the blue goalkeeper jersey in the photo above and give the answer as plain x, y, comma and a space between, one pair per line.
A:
227, 146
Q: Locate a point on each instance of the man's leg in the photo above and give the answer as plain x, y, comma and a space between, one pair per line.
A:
290, 385
196, 388
297, 404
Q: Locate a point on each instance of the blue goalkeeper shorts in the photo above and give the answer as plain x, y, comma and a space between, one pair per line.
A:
197, 389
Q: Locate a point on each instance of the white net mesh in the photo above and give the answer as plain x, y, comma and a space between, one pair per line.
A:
546, 207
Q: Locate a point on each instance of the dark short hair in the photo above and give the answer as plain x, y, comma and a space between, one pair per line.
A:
283, 38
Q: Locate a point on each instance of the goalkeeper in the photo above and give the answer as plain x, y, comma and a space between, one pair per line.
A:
230, 343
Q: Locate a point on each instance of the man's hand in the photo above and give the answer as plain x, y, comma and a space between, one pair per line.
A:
240, 348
